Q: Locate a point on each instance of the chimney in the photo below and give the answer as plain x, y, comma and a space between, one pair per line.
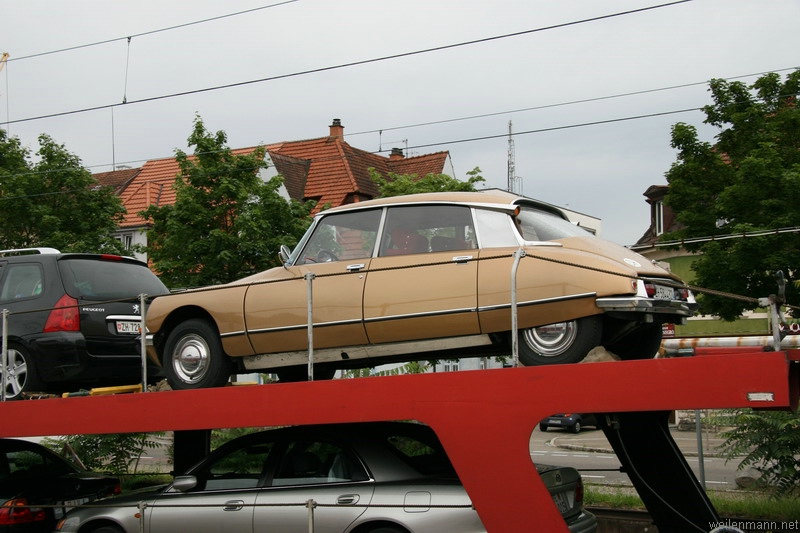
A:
397, 154
337, 130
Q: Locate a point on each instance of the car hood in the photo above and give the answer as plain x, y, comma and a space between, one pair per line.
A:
625, 257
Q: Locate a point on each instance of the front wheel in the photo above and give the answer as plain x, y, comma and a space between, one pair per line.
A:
21, 373
641, 343
194, 358
564, 342
107, 529
577, 427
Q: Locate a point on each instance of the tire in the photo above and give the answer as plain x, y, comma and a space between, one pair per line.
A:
22, 375
642, 343
576, 428
107, 529
562, 343
542, 428
386, 529
194, 358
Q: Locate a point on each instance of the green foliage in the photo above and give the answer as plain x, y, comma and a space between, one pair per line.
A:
114, 453
412, 367
768, 441
748, 180
399, 184
226, 223
54, 201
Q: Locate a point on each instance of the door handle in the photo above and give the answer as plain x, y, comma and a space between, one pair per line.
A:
233, 505
347, 499
462, 258
355, 267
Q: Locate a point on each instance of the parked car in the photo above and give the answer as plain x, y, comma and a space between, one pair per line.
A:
74, 319
37, 487
365, 477
573, 422
421, 277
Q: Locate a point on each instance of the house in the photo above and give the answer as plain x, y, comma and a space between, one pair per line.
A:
326, 169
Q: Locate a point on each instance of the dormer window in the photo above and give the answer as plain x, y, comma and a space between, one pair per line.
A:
658, 217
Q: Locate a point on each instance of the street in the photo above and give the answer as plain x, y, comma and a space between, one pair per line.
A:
590, 453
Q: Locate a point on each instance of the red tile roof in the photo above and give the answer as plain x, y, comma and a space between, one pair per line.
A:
326, 169
117, 179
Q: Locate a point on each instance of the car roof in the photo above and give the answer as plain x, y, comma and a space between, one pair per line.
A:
496, 198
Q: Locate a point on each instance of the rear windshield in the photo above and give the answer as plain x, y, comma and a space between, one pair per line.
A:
108, 280
538, 225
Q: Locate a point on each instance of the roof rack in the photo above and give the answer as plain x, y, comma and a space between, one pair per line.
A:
25, 251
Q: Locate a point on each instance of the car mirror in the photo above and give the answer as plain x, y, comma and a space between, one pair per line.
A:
284, 253
184, 483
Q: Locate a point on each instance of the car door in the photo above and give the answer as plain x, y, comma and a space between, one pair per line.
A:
223, 497
313, 476
336, 255
423, 283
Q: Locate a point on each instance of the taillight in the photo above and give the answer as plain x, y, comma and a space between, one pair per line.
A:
110, 257
579, 492
17, 512
65, 317
651, 289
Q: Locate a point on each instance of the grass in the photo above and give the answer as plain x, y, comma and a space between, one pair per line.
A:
733, 504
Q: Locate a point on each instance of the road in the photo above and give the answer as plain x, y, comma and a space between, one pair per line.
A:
597, 467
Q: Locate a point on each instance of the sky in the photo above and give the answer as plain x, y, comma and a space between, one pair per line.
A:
590, 89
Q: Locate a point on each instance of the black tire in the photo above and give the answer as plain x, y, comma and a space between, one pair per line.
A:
22, 375
387, 529
576, 428
542, 428
107, 529
563, 343
642, 343
194, 358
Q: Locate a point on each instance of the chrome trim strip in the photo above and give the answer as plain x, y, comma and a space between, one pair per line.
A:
529, 303
296, 327
420, 315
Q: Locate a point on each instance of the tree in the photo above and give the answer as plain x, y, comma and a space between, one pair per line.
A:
226, 223
54, 201
398, 184
115, 453
749, 180
768, 441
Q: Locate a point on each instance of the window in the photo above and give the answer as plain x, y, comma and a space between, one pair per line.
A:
343, 237
429, 228
22, 281
658, 217
314, 462
241, 468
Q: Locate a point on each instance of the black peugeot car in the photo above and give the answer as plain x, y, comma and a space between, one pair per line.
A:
73, 319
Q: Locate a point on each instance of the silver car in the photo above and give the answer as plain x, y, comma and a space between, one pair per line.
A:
386, 477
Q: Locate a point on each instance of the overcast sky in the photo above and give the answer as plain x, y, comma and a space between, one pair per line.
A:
293, 66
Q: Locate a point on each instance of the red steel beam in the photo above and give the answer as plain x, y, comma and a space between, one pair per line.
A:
484, 418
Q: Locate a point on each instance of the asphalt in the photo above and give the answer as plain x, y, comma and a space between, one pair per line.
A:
593, 440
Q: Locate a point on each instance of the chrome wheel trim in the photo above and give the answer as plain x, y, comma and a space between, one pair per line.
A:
551, 340
16, 373
191, 358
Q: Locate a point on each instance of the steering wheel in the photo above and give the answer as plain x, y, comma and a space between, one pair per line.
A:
326, 256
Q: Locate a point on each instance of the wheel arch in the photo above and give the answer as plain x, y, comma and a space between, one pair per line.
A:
181, 314
372, 525
94, 525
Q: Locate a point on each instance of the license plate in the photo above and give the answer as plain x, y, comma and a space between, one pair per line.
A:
555, 421
664, 293
128, 327
562, 502
69, 504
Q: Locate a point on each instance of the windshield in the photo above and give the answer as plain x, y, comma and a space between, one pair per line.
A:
538, 225
108, 280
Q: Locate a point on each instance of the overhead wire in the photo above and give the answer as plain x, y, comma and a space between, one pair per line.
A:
351, 63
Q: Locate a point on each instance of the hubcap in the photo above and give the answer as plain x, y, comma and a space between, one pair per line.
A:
16, 373
191, 358
551, 340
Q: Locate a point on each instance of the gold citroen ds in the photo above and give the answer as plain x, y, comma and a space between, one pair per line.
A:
422, 276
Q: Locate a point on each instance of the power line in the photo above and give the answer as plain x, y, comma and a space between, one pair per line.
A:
142, 34
352, 63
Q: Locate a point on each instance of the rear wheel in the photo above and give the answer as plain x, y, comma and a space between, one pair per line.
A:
107, 529
564, 342
194, 358
21, 375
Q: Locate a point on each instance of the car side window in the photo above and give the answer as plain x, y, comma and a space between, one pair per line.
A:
427, 228
22, 281
343, 237
241, 468
495, 229
317, 462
